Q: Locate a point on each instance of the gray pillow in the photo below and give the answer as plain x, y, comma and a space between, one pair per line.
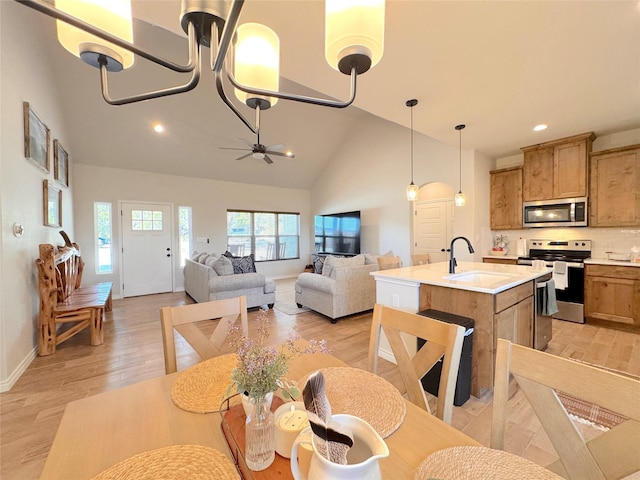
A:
211, 260
203, 258
223, 266
331, 262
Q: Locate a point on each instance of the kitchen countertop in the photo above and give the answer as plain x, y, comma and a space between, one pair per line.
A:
507, 257
604, 261
496, 278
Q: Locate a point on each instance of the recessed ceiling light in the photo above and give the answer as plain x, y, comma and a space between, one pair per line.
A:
539, 128
158, 127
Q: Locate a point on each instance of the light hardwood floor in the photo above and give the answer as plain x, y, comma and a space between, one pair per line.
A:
31, 411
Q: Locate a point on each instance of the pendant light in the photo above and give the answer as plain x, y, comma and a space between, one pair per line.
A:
460, 199
412, 189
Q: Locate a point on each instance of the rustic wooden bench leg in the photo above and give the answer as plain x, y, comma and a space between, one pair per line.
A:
97, 334
47, 333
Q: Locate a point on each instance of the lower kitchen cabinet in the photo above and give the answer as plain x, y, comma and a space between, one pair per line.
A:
516, 323
612, 296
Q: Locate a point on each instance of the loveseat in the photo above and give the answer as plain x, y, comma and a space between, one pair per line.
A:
214, 277
340, 287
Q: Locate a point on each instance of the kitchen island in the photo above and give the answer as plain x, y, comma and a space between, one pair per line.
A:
499, 298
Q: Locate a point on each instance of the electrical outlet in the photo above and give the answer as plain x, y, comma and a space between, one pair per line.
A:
395, 300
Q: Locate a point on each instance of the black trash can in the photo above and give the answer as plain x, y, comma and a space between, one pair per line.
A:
431, 380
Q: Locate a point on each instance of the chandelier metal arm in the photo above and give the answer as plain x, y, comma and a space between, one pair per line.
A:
42, 7
194, 53
300, 98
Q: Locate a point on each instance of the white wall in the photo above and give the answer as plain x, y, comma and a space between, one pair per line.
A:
24, 76
372, 170
209, 200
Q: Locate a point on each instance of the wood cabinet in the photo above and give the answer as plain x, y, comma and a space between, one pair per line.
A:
612, 296
507, 314
615, 188
505, 198
502, 261
557, 169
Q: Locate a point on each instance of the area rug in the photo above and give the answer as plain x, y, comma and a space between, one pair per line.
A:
592, 414
289, 308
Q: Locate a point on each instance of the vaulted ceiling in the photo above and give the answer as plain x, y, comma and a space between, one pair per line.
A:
499, 67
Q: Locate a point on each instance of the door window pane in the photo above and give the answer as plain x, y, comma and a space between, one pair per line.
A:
184, 233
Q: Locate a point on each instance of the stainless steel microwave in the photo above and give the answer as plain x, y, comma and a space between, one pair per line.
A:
564, 212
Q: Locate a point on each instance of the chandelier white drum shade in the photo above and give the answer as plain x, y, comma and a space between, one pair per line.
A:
257, 63
354, 32
113, 16
100, 32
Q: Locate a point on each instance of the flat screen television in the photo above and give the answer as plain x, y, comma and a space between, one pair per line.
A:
338, 233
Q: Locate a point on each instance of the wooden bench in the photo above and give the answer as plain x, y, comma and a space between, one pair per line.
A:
64, 301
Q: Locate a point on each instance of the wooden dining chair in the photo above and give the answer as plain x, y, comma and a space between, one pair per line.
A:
386, 263
611, 455
183, 317
420, 258
442, 339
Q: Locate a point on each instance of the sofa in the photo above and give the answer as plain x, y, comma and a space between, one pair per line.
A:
213, 277
339, 286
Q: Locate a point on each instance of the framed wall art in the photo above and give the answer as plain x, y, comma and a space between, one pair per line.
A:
52, 202
60, 164
36, 138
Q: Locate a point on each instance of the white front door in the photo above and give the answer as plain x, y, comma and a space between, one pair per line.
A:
146, 249
432, 228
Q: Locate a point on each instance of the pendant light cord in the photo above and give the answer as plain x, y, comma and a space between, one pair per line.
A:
411, 150
459, 128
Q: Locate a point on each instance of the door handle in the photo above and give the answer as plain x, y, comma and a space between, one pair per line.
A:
443, 250
168, 249
168, 254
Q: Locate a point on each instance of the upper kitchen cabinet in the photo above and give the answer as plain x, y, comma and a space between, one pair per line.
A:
615, 188
506, 199
557, 169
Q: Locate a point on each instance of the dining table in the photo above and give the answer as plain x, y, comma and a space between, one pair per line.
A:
100, 431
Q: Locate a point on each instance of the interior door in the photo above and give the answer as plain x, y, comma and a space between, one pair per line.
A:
146, 249
432, 228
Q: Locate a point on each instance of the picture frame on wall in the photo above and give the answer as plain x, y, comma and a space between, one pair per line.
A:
52, 203
60, 163
36, 138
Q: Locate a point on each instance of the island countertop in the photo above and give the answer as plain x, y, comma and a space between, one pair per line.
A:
473, 276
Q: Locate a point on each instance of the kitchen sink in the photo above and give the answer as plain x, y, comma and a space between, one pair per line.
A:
479, 277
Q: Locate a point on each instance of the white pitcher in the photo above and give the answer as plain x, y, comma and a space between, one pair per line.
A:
362, 458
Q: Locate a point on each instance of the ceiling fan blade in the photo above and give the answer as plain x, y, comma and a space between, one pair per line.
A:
247, 142
267, 159
280, 154
277, 147
245, 156
231, 148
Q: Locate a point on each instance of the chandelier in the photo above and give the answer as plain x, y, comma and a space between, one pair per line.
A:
100, 32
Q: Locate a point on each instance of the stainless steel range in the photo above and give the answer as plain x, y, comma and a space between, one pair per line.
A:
570, 254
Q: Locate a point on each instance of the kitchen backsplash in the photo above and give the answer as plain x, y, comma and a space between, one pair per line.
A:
604, 239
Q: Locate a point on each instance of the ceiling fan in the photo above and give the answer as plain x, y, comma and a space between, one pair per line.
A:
262, 152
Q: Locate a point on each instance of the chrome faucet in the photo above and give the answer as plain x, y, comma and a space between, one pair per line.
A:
452, 259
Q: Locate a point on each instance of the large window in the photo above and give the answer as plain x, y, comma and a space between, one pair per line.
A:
184, 226
268, 235
102, 231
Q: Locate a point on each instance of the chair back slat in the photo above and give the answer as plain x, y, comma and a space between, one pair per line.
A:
442, 340
611, 455
183, 319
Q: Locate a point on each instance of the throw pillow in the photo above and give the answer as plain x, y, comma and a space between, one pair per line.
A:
318, 263
211, 260
194, 255
331, 262
243, 264
223, 266
371, 259
203, 258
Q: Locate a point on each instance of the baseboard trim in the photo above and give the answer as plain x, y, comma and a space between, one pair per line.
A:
387, 355
6, 385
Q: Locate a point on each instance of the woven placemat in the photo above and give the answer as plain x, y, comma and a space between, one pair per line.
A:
473, 463
202, 388
186, 462
364, 395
